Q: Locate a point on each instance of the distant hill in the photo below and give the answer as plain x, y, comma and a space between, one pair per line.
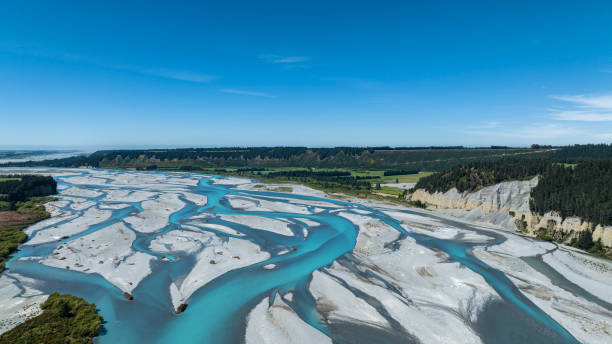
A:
405, 158
20, 156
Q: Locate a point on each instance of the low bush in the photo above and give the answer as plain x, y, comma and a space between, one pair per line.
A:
65, 319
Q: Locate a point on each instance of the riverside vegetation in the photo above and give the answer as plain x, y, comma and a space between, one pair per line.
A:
574, 180
582, 188
358, 171
65, 318
22, 201
358, 180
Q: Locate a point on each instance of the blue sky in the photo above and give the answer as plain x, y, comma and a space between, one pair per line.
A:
405, 73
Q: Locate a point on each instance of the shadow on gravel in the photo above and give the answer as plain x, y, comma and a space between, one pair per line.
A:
349, 333
502, 323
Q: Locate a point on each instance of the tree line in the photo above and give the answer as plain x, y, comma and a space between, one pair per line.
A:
584, 191
325, 179
578, 153
18, 188
384, 158
308, 173
399, 172
476, 175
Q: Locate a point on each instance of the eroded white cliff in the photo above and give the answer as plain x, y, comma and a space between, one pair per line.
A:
507, 205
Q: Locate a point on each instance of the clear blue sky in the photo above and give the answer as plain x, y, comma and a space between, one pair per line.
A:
218, 73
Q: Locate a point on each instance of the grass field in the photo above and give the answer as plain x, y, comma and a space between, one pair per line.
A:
377, 177
566, 165
402, 178
389, 190
4, 179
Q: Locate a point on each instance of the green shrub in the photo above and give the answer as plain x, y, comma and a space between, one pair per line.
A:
544, 234
585, 241
65, 319
4, 205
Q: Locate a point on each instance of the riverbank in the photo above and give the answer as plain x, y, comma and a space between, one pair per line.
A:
507, 205
12, 223
65, 318
17, 302
585, 310
221, 245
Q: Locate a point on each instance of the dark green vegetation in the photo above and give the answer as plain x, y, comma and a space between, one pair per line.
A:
382, 158
584, 191
585, 242
364, 171
399, 172
21, 204
474, 176
66, 319
356, 182
10, 238
576, 153
13, 221
351, 170
573, 181
328, 180
14, 188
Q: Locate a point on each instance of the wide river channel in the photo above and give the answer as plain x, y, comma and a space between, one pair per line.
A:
217, 312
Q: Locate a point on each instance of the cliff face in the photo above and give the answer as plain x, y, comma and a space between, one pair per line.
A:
507, 204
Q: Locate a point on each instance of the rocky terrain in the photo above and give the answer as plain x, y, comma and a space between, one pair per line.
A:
507, 205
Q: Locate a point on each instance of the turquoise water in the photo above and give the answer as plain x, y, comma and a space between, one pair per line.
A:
217, 312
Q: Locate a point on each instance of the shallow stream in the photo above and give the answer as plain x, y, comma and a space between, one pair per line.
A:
217, 312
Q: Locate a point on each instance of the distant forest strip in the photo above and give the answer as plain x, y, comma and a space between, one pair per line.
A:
383, 158
306, 173
577, 153
398, 158
399, 172
584, 191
